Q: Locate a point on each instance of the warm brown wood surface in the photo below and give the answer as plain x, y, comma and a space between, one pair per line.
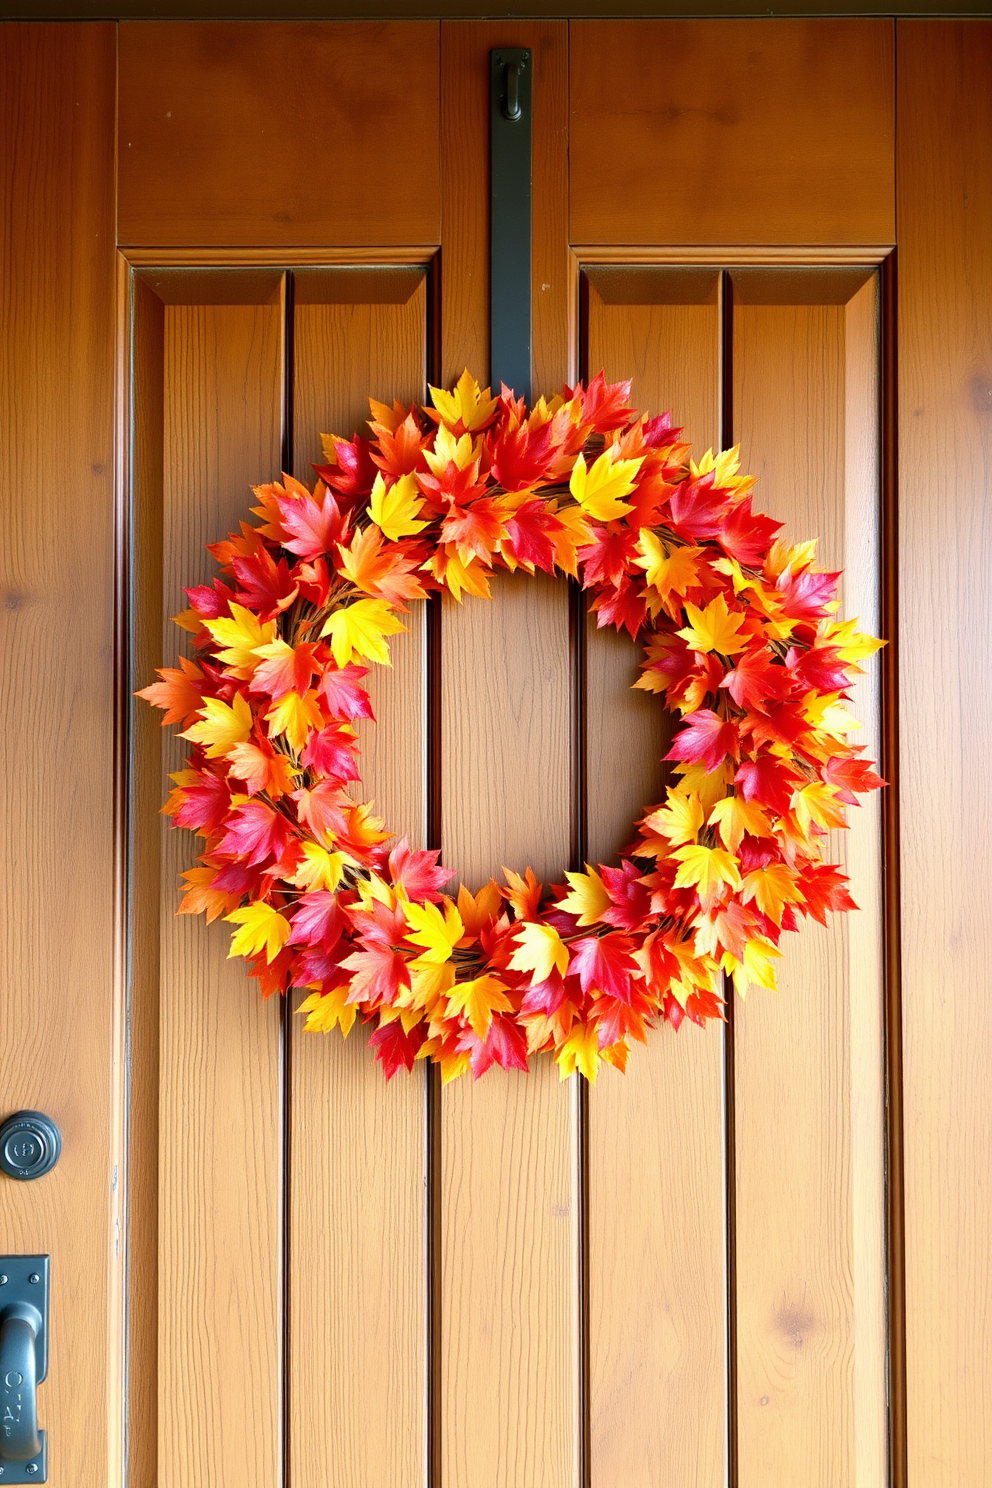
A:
945, 405
357, 1146
508, 1210
809, 1063
752, 131
274, 134
657, 1251
220, 1160
61, 1000
465, 49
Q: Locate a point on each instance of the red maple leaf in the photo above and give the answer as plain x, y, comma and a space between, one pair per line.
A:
622, 607
343, 697
747, 535
332, 754
806, 595
848, 775
255, 833
604, 964
706, 737
205, 805
607, 559
528, 538
698, 507
604, 404
212, 601
353, 475
755, 680
266, 587
521, 456
767, 780
505, 1044
395, 1049
319, 920
418, 872
313, 525
631, 901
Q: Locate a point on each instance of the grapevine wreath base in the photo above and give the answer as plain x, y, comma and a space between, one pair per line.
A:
740, 639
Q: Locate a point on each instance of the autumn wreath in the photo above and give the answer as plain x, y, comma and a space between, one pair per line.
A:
739, 636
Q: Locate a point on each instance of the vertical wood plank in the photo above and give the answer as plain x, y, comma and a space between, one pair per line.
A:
808, 1075
220, 1146
657, 1258
62, 1003
508, 1367
357, 1145
144, 330
944, 167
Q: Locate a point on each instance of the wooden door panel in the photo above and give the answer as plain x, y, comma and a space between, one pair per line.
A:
508, 1211
945, 626
267, 134
678, 129
656, 1182
218, 342
358, 1261
61, 1008
809, 1064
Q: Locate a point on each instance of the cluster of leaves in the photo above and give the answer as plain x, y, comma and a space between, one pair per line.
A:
740, 640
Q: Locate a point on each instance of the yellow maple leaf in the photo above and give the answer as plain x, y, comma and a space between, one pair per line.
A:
429, 983
852, 644
680, 820
477, 1000
715, 628
772, 888
600, 488
817, 802
756, 968
706, 869
733, 816
222, 727
360, 629
539, 948
263, 928
467, 405
669, 570
588, 897
580, 1051
437, 933
449, 450
241, 636
318, 868
709, 786
448, 568
396, 511
294, 716
329, 1010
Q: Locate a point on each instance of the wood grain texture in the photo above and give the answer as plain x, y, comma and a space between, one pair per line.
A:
509, 1213
357, 1383
62, 997
465, 48
278, 133
718, 131
143, 337
809, 1063
657, 1247
220, 1160
945, 398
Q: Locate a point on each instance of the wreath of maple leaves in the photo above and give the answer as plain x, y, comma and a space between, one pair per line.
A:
739, 638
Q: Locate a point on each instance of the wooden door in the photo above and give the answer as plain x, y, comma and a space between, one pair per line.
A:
756, 1259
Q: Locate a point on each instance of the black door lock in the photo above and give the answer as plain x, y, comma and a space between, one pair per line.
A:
30, 1144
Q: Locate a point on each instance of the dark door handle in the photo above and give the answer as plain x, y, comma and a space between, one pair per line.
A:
20, 1327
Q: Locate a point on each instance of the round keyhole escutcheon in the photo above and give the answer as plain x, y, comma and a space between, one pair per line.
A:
30, 1144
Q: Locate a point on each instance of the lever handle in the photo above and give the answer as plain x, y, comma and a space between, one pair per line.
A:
20, 1326
511, 105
